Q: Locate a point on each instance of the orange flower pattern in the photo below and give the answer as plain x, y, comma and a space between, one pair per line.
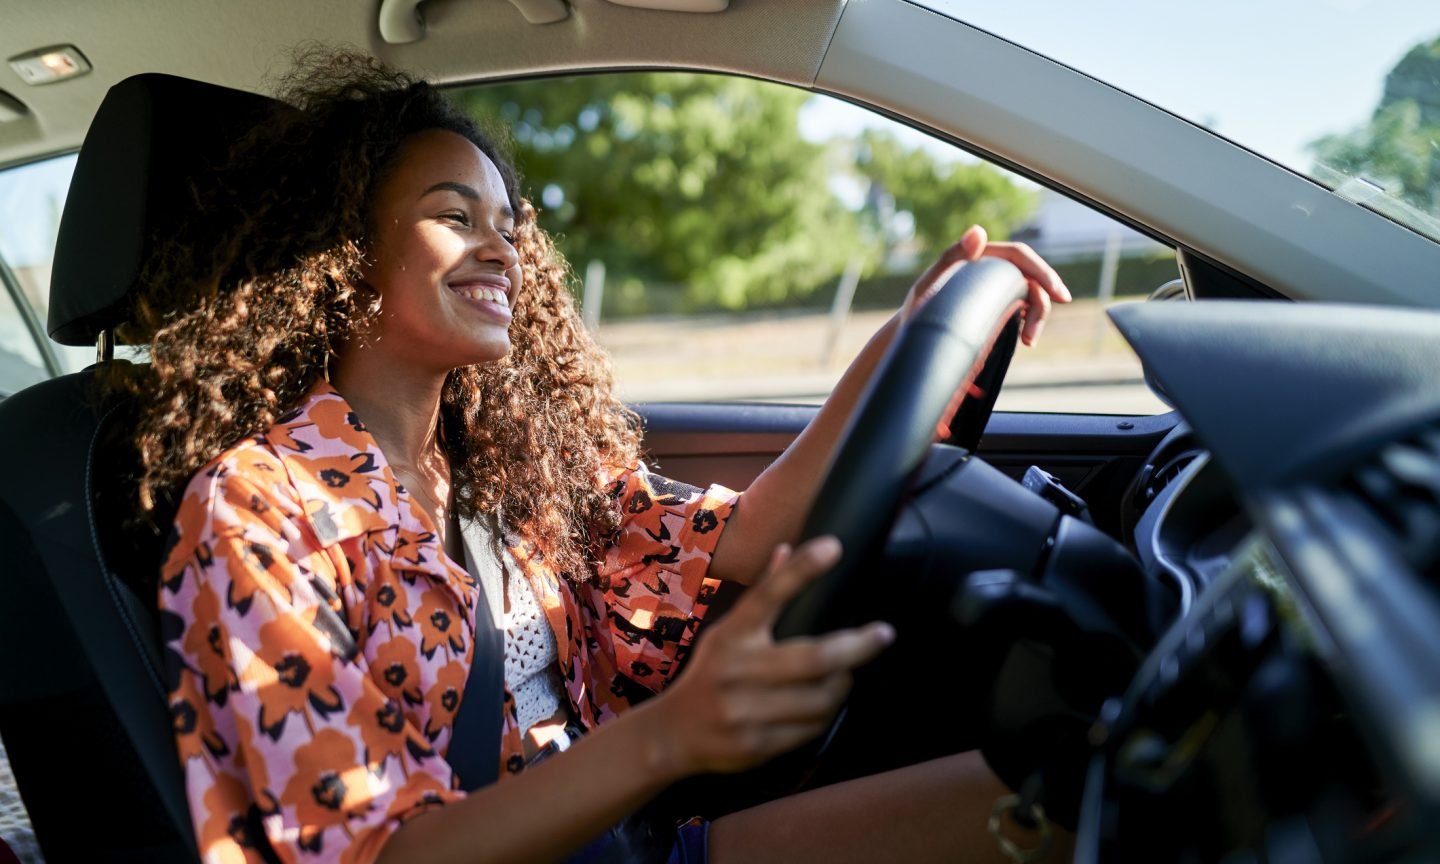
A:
318, 640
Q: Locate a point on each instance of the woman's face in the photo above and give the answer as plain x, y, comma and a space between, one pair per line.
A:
443, 257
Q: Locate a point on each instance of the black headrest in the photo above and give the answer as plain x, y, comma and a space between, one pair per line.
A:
151, 136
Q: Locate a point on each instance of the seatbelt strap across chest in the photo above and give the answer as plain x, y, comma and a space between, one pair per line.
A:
474, 752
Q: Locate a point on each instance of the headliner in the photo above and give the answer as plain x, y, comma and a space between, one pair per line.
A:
246, 45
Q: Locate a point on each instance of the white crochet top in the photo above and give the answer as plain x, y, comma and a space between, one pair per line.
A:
530, 671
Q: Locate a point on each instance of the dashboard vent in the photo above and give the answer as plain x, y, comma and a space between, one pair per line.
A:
1169, 458
1166, 473
1401, 486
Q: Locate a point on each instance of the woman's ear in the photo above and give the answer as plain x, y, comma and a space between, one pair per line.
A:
367, 296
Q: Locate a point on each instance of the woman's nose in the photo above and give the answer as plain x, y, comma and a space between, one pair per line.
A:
496, 248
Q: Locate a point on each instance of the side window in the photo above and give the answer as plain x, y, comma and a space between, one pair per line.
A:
21, 363
32, 198
735, 239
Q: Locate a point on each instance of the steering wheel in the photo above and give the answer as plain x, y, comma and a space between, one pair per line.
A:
940, 350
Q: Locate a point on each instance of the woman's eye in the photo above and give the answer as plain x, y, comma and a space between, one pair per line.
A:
456, 216
509, 237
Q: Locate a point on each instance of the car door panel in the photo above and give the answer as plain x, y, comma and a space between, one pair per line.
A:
1093, 455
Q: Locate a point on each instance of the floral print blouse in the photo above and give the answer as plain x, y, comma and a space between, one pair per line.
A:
318, 639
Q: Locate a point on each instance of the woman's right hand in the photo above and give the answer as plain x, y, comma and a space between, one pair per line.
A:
744, 697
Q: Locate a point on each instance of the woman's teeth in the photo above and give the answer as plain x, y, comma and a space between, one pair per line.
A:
494, 295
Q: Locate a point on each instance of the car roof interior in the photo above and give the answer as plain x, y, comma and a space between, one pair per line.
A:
783, 40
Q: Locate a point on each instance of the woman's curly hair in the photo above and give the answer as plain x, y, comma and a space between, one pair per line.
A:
245, 307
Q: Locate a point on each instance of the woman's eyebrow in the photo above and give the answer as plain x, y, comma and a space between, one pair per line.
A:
457, 188
468, 192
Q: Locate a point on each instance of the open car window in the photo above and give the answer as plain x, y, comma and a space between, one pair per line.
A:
770, 231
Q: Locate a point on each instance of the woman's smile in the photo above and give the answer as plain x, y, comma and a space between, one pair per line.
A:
489, 294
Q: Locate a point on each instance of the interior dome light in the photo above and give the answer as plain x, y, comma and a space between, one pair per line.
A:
48, 65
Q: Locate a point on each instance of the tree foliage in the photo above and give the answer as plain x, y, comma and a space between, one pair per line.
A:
1399, 149
944, 198
705, 181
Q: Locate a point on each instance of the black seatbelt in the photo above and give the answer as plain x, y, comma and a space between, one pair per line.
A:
474, 752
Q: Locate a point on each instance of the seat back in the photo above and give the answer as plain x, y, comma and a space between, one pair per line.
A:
83, 708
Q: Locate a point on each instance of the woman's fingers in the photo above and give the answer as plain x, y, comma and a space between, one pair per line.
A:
1032, 266
810, 658
973, 242
846, 649
1035, 314
788, 573
745, 697
813, 702
1046, 286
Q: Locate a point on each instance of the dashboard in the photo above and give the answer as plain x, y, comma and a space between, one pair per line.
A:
1291, 710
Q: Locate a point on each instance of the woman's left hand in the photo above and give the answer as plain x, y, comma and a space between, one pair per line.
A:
1044, 283
776, 502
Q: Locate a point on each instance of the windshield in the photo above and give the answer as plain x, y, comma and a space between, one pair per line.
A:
1345, 92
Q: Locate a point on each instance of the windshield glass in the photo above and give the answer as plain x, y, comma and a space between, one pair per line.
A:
1346, 92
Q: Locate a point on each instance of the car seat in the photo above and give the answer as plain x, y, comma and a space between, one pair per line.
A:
83, 707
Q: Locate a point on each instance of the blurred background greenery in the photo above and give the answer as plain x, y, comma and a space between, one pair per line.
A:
700, 192
1398, 149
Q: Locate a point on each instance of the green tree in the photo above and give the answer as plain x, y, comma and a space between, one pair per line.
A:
944, 198
705, 181
1399, 149
681, 178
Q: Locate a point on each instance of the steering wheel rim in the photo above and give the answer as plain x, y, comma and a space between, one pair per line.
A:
942, 348
939, 350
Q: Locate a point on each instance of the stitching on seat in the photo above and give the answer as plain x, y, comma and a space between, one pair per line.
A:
109, 577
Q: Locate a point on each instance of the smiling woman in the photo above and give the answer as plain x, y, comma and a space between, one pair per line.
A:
335, 591
490, 438
309, 311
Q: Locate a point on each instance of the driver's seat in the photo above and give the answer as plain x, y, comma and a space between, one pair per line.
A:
83, 708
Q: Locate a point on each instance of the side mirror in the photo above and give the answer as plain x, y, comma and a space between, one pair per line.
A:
1172, 290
